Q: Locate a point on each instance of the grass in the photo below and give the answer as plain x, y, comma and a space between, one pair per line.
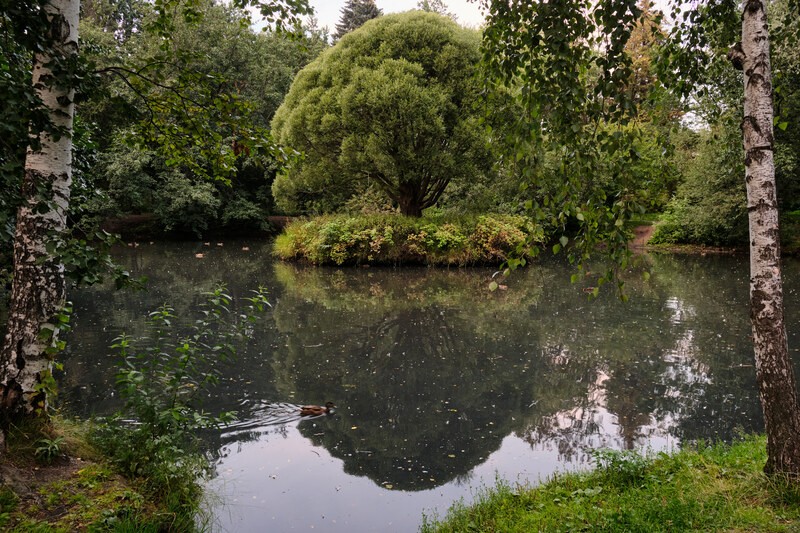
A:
709, 488
73, 488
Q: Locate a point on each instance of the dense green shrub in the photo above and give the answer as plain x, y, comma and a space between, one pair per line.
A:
187, 204
710, 206
395, 239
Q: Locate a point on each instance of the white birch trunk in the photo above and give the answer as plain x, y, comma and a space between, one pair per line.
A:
37, 293
777, 388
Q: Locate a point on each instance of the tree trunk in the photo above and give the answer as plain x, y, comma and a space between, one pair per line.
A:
776, 382
408, 200
37, 293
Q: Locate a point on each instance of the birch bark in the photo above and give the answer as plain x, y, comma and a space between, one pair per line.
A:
776, 381
37, 293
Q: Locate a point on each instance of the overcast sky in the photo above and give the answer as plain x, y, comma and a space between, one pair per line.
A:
329, 11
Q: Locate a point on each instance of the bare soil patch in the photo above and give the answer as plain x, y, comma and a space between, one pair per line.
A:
641, 234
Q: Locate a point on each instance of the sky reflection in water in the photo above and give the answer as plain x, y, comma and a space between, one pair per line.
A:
440, 385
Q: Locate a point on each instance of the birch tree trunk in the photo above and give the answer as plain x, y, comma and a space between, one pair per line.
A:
776, 381
37, 293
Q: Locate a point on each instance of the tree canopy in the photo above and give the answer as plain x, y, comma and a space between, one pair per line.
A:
435, 6
140, 176
391, 105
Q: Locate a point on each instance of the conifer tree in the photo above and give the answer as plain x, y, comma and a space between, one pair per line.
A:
354, 14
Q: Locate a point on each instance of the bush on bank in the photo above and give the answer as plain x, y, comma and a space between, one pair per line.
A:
396, 239
708, 488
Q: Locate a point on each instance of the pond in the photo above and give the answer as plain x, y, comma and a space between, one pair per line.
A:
441, 386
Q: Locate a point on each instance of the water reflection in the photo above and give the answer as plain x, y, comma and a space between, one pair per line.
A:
433, 374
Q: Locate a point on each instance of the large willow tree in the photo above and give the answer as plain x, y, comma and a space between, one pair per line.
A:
392, 105
548, 48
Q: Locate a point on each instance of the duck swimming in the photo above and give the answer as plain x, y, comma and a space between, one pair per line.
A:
316, 410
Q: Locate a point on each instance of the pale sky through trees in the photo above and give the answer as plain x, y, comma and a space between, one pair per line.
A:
329, 11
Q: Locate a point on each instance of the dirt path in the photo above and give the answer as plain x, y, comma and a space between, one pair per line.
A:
641, 234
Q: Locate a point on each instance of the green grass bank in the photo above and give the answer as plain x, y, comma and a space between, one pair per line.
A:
391, 239
707, 488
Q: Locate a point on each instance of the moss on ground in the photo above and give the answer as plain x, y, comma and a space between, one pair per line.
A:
53, 481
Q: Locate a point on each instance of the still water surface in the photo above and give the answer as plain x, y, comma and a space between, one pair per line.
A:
441, 386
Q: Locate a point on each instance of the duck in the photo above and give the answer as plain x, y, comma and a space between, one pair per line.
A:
316, 410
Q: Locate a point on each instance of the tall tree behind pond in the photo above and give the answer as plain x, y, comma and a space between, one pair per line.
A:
354, 14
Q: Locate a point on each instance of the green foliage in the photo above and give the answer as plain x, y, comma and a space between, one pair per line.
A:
371, 201
395, 239
134, 69
8, 503
187, 204
568, 67
139, 181
436, 6
153, 437
710, 205
717, 488
89, 498
698, 44
197, 101
786, 78
153, 174
392, 105
620, 468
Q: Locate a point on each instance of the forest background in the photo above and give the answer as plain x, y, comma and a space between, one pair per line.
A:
685, 170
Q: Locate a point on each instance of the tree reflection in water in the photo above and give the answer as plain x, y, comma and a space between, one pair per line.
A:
431, 372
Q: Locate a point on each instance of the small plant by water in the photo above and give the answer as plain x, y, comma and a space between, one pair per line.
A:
153, 437
48, 449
